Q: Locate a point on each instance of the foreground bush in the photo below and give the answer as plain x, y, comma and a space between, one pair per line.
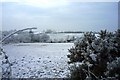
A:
96, 57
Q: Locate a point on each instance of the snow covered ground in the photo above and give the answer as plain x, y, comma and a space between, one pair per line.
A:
64, 36
42, 60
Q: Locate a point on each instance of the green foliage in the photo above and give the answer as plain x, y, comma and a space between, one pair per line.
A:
98, 55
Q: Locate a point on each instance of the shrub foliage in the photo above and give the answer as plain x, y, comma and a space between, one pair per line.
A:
96, 57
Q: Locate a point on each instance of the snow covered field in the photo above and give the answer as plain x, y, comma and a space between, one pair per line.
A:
42, 60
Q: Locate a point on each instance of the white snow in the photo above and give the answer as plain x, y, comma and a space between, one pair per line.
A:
38, 59
93, 56
64, 36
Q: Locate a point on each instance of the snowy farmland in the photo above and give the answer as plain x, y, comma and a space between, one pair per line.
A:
42, 60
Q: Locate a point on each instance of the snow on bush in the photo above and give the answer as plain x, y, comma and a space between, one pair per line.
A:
5, 65
25, 37
100, 56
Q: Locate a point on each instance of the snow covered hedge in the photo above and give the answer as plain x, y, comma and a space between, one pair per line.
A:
25, 37
96, 57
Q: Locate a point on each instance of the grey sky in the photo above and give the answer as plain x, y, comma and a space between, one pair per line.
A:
76, 16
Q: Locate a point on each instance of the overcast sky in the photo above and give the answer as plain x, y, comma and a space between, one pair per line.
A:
60, 15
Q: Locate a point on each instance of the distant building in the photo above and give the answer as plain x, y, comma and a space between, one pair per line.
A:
119, 15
